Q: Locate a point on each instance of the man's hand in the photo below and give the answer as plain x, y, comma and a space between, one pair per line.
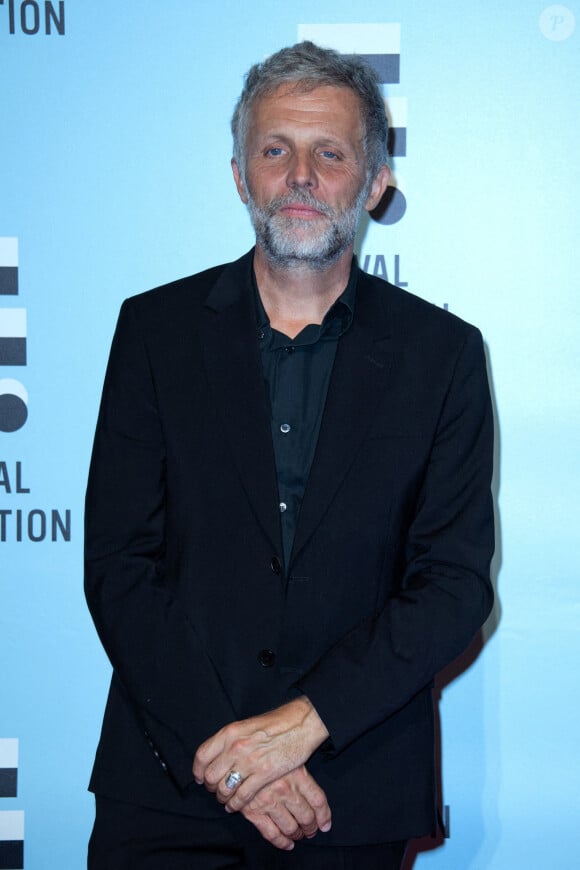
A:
262, 749
288, 809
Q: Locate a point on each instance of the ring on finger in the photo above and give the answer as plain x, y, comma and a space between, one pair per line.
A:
233, 779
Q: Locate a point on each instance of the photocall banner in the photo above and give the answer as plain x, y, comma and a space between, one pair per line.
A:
115, 178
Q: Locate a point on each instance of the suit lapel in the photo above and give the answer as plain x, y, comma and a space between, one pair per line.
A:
358, 382
235, 374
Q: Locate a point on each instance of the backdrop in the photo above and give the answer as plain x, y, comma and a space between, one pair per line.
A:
114, 162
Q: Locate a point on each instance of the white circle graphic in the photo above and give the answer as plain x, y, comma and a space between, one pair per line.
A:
557, 22
14, 388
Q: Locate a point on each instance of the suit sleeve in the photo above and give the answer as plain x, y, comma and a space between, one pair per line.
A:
160, 661
445, 591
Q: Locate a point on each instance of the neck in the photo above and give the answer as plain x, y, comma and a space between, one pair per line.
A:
295, 296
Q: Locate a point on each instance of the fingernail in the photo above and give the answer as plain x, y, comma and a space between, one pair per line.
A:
325, 828
198, 781
228, 810
290, 847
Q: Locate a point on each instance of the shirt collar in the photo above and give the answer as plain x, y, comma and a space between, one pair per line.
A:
336, 321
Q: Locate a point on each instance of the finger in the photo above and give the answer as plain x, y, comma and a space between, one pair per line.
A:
218, 770
304, 816
284, 797
284, 819
297, 824
223, 780
244, 793
315, 798
227, 787
235, 755
269, 830
205, 755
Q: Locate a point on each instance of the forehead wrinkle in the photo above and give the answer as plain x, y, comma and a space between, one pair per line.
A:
311, 112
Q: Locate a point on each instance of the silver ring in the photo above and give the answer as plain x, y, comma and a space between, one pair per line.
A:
233, 779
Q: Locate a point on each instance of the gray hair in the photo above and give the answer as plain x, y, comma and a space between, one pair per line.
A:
309, 66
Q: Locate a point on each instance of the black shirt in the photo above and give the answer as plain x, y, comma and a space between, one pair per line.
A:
297, 373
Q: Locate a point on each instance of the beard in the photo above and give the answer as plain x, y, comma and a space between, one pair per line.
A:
293, 242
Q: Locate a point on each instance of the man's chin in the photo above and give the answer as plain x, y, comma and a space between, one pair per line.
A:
302, 256
302, 240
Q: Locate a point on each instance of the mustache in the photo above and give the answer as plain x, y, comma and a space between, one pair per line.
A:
299, 197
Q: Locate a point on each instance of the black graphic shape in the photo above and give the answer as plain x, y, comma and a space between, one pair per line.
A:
8, 280
11, 854
391, 208
13, 414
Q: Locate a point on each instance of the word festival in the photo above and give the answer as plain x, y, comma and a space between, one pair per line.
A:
376, 264
29, 525
32, 17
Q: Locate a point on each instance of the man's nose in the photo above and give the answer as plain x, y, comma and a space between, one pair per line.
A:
301, 171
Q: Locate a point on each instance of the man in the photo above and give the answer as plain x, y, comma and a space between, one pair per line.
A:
289, 523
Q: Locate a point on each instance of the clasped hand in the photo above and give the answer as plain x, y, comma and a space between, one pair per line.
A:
277, 794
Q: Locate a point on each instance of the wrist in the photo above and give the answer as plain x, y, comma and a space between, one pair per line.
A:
312, 726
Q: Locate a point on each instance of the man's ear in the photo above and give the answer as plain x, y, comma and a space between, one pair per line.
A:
239, 181
378, 187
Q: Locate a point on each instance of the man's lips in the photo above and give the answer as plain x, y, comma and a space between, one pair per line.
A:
299, 210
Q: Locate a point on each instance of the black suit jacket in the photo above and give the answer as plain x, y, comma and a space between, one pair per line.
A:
389, 575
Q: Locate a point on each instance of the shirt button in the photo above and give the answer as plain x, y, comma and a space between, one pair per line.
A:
289, 349
285, 428
283, 506
276, 565
266, 658
261, 334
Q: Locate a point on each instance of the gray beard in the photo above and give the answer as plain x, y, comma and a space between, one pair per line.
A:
290, 242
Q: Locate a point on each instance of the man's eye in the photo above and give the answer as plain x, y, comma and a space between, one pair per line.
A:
330, 155
274, 152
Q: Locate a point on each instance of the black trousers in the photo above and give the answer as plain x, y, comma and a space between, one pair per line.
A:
127, 837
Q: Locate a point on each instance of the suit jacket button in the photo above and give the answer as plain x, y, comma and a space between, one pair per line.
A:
266, 658
276, 565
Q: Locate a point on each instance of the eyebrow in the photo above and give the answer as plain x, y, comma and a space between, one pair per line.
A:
321, 140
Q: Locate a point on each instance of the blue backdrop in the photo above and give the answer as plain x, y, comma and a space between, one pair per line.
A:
114, 177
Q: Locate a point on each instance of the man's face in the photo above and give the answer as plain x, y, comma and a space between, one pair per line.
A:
305, 179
